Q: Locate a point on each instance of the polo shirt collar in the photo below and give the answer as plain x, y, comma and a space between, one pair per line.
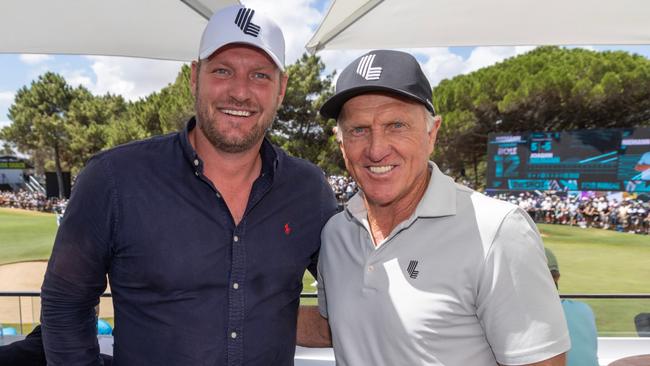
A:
440, 197
438, 200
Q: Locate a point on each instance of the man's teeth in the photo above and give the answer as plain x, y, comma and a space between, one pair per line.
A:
381, 169
237, 113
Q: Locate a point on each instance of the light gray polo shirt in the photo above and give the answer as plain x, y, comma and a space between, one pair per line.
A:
463, 281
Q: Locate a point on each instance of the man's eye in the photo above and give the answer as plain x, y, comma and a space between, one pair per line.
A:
358, 131
221, 71
261, 75
398, 125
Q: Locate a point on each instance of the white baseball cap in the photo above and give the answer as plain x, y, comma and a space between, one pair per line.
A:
237, 24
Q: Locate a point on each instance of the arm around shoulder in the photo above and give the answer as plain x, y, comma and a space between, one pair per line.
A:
313, 329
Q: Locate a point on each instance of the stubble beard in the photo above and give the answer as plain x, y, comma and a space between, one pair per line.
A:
207, 122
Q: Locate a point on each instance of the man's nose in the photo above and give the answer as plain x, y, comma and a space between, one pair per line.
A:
379, 146
239, 88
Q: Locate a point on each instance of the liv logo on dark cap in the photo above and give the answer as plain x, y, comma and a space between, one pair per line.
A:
244, 21
365, 69
384, 71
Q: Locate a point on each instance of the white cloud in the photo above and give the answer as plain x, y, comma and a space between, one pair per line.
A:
487, 56
6, 96
6, 99
33, 59
78, 77
439, 63
337, 60
299, 24
132, 78
297, 18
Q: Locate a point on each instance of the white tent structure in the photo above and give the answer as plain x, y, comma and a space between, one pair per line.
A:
432, 23
157, 29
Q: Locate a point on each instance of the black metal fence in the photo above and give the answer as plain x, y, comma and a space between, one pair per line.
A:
32, 294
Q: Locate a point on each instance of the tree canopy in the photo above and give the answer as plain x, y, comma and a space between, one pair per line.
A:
61, 127
298, 127
547, 89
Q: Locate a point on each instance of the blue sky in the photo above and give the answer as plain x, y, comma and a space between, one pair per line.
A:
136, 78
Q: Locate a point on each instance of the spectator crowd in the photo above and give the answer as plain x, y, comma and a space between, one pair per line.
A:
622, 214
344, 187
628, 215
35, 201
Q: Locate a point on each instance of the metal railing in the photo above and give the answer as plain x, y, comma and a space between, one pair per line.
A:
31, 294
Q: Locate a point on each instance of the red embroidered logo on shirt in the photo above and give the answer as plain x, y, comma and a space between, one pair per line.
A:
287, 229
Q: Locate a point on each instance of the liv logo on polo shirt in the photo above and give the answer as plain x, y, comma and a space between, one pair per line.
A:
413, 273
244, 21
366, 69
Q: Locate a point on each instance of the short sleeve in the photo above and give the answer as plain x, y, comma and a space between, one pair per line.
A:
518, 304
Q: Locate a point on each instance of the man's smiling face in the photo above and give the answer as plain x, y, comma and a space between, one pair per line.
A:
238, 91
386, 144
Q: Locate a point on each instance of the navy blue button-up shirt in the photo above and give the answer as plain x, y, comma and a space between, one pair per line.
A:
189, 286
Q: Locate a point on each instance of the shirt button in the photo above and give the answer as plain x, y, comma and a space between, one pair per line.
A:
371, 268
218, 195
196, 162
196, 173
235, 285
233, 335
235, 238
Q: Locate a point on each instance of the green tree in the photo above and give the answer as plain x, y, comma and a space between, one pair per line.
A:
90, 118
547, 89
160, 112
298, 127
7, 149
39, 116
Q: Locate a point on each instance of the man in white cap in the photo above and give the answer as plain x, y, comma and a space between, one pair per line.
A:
419, 270
204, 234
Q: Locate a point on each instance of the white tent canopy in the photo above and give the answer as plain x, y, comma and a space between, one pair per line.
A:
158, 29
431, 23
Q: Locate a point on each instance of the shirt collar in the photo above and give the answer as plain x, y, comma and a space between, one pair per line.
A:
271, 160
438, 200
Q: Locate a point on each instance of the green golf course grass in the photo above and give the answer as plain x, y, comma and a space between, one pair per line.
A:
25, 235
592, 261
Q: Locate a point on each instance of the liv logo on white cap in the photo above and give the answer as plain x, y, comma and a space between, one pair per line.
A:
244, 21
366, 70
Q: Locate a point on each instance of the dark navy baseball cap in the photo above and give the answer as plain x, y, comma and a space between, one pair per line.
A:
380, 71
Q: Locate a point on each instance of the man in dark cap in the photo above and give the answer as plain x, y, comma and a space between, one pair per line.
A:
419, 270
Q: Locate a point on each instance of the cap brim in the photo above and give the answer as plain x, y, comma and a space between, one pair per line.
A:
332, 107
206, 53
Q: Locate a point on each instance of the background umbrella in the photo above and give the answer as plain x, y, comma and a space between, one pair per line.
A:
158, 29
431, 23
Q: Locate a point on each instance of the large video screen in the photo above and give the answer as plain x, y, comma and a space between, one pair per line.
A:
582, 160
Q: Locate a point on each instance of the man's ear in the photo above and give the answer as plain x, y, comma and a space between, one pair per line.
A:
433, 133
337, 134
